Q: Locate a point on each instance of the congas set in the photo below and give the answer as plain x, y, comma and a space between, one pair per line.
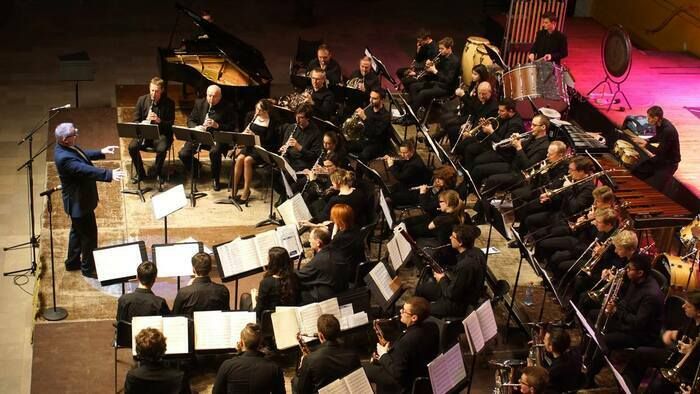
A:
677, 271
626, 152
474, 53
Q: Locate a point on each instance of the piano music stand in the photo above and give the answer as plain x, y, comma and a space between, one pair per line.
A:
141, 132
272, 160
197, 138
236, 140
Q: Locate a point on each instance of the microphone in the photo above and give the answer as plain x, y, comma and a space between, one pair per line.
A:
61, 107
49, 191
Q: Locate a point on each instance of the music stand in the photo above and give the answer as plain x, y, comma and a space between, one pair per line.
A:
412, 118
197, 138
55, 313
141, 132
274, 161
380, 68
235, 140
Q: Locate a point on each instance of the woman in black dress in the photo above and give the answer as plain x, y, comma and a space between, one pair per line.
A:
279, 285
344, 182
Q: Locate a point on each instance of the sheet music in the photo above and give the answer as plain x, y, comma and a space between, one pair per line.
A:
227, 258
385, 209
176, 331
287, 188
307, 316
335, 387
618, 377
473, 330
330, 306
263, 243
211, 331
584, 324
205, 248
358, 319
357, 382
294, 210
285, 327
288, 238
138, 323
346, 310
402, 242
447, 370
175, 260
246, 255
394, 254
380, 276
168, 201
117, 262
487, 321
237, 321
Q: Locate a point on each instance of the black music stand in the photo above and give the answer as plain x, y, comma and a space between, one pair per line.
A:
141, 132
235, 140
55, 313
380, 69
197, 138
275, 162
412, 118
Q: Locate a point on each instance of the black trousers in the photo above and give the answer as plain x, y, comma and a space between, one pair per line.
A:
485, 170
367, 150
386, 384
646, 357
82, 240
423, 92
161, 147
216, 152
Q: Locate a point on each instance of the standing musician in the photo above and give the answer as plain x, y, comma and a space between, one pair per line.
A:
410, 171
426, 49
659, 169
483, 106
550, 44
375, 139
328, 362
209, 114
153, 108
364, 78
440, 77
635, 319
321, 97
325, 62
395, 365
456, 292
679, 342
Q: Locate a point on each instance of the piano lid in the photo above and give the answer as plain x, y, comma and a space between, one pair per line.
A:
244, 55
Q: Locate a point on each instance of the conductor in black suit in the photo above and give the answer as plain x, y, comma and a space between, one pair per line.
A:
202, 294
151, 376
328, 362
78, 176
210, 114
249, 371
153, 108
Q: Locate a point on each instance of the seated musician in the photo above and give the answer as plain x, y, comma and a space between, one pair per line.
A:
565, 367
321, 98
634, 320
152, 376
534, 380
527, 153
210, 114
344, 182
347, 243
440, 78
324, 61
395, 365
509, 123
318, 279
364, 78
279, 285
679, 342
482, 106
201, 294
334, 143
142, 302
319, 188
153, 108
264, 126
659, 170
456, 292
550, 44
451, 211
249, 371
376, 136
426, 49
303, 146
410, 171
444, 178
328, 362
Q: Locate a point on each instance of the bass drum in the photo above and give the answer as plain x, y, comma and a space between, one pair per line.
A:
677, 271
471, 56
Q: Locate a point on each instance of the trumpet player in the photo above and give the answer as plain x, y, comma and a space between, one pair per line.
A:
324, 61
673, 346
440, 77
426, 48
375, 139
409, 171
632, 321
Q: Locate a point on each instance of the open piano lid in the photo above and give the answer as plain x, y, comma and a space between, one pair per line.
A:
244, 55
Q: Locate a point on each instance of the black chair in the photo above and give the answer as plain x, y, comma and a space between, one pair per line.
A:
122, 340
266, 326
661, 280
440, 325
358, 297
453, 327
366, 232
674, 315
362, 270
421, 385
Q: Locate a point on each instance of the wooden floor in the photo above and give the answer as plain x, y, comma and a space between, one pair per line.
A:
670, 80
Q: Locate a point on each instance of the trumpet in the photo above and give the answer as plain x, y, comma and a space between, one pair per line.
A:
543, 166
473, 132
673, 374
590, 265
434, 61
508, 141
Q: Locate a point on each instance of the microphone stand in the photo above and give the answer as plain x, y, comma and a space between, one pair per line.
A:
33, 242
55, 313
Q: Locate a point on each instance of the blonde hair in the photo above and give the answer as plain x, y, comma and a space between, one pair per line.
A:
626, 239
604, 194
343, 177
454, 203
606, 215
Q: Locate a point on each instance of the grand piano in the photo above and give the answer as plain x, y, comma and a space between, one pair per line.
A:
217, 57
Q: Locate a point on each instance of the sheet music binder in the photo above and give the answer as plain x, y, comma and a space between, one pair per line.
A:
118, 263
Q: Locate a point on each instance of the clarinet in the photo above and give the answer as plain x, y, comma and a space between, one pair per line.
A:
323, 152
283, 149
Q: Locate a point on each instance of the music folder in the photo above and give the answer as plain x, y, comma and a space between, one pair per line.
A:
138, 130
447, 371
219, 330
193, 135
355, 382
240, 139
480, 326
118, 263
383, 288
276, 160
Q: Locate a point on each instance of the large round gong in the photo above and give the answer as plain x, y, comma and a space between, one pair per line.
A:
616, 53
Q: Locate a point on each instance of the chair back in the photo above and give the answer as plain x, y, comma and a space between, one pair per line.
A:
122, 334
362, 270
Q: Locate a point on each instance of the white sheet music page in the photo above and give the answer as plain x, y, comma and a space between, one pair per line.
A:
212, 331
473, 330
404, 246
301, 211
237, 322
168, 201
385, 209
487, 321
175, 260
394, 255
335, 387
447, 370
138, 323
246, 255
618, 377
584, 323
227, 258
117, 262
288, 238
307, 316
285, 327
263, 243
330, 306
380, 276
357, 382
175, 329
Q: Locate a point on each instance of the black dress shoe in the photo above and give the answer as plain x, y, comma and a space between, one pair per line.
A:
72, 267
159, 181
215, 185
90, 274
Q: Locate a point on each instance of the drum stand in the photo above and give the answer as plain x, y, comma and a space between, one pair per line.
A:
608, 82
692, 268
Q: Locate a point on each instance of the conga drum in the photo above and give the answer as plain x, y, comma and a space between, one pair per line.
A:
470, 55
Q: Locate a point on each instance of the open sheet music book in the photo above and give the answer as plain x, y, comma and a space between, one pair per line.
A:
381, 284
354, 383
398, 247
447, 370
218, 329
243, 255
294, 210
385, 209
174, 328
480, 326
175, 259
118, 263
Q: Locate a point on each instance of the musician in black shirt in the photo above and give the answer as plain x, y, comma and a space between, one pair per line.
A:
364, 78
202, 294
152, 376
659, 169
142, 302
440, 77
426, 49
483, 106
321, 97
325, 62
153, 108
319, 278
375, 139
550, 44
210, 114
410, 171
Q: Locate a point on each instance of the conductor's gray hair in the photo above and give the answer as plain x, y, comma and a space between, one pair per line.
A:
64, 130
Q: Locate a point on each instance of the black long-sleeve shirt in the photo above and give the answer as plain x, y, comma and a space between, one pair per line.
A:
410, 173
640, 311
669, 151
222, 113
377, 126
550, 43
371, 79
324, 103
201, 295
447, 70
311, 141
249, 372
164, 108
465, 282
333, 71
142, 302
426, 52
533, 152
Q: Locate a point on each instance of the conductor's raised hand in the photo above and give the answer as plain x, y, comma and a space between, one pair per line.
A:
108, 150
118, 174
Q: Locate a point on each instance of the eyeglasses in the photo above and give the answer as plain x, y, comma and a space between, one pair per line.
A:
403, 310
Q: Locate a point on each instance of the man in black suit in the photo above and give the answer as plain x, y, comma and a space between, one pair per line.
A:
210, 114
483, 107
249, 371
396, 365
328, 362
565, 368
202, 294
78, 176
151, 376
324, 61
153, 108
142, 302
410, 171
319, 277
659, 169
550, 44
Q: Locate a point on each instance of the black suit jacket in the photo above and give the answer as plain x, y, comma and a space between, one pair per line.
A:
409, 356
311, 141
328, 362
153, 378
507, 127
533, 152
222, 113
78, 176
249, 372
165, 109
640, 311
142, 302
412, 172
465, 282
201, 295
317, 278
324, 103
564, 372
